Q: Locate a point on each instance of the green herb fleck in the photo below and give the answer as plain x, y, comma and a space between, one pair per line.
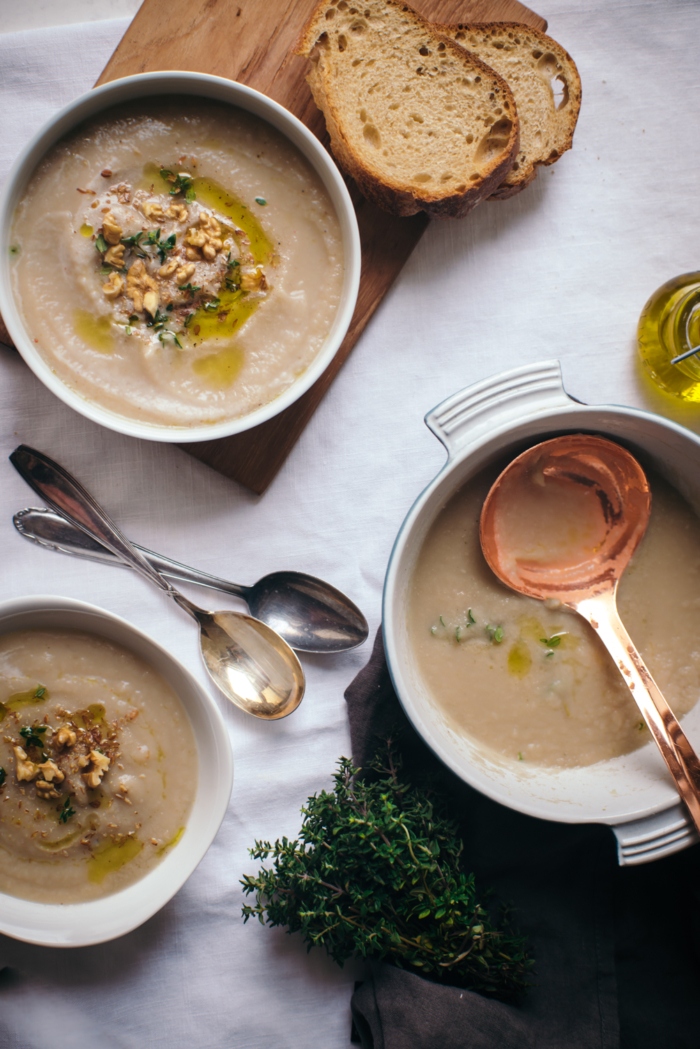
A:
470, 617
66, 812
212, 306
33, 736
191, 288
433, 630
551, 642
101, 244
181, 183
40, 692
3, 775
165, 334
377, 871
14, 249
495, 633
520, 755
261, 201
442, 621
458, 633
134, 243
641, 726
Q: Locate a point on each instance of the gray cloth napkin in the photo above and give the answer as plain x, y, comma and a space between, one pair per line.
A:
616, 949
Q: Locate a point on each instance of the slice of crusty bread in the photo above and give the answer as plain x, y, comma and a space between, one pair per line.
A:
532, 63
419, 123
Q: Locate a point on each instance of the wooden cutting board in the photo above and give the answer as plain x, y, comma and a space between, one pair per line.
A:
252, 41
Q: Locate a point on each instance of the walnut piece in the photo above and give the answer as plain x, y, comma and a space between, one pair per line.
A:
178, 212
185, 272
46, 790
114, 286
114, 256
51, 772
153, 210
65, 737
207, 238
111, 232
100, 764
168, 268
138, 284
26, 769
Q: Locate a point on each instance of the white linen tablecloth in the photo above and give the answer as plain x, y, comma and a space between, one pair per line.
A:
561, 270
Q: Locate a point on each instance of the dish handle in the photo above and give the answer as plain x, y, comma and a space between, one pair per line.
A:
498, 400
653, 837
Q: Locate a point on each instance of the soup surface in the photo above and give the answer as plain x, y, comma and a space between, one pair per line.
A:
533, 682
99, 766
177, 261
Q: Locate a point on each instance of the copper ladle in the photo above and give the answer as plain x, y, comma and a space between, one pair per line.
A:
602, 486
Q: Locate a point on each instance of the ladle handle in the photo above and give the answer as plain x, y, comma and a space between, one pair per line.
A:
68, 497
682, 761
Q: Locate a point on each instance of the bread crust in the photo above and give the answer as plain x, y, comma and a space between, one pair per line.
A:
396, 194
562, 121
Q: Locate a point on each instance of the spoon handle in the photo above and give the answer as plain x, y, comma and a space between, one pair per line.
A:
68, 497
682, 761
54, 532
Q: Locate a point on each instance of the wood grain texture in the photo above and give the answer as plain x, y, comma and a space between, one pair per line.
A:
252, 41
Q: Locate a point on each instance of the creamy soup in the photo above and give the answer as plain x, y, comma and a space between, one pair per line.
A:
178, 262
533, 682
98, 766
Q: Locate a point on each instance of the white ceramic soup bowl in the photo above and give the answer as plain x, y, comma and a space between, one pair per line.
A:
81, 924
146, 85
502, 416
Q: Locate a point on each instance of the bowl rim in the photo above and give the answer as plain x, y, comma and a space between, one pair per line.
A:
445, 483
169, 82
108, 917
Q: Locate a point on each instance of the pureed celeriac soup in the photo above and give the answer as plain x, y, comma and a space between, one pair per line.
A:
99, 766
177, 261
533, 682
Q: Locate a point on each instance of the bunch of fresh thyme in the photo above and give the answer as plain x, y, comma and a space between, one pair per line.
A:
377, 872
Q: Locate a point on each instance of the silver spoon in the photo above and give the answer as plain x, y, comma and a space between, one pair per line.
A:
251, 664
311, 616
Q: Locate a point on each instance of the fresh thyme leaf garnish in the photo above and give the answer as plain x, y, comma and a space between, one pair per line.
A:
181, 183
191, 288
40, 692
551, 642
378, 872
134, 243
165, 334
33, 737
470, 617
101, 244
133, 318
3, 775
495, 633
66, 812
212, 306
261, 201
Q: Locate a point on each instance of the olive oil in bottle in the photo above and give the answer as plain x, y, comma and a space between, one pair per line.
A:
669, 326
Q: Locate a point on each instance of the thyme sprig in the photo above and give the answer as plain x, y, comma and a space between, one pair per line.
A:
377, 872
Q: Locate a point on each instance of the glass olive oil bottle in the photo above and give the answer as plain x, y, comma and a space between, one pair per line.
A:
669, 326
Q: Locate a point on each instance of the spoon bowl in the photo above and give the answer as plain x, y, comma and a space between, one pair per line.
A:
561, 524
310, 614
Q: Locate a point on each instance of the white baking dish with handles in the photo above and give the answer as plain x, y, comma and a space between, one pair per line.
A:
634, 794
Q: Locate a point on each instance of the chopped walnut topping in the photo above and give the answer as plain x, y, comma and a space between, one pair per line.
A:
114, 286
168, 268
185, 272
123, 191
26, 769
138, 283
207, 238
51, 772
178, 212
253, 280
100, 764
46, 790
110, 230
150, 302
153, 210
65, 737
114, 256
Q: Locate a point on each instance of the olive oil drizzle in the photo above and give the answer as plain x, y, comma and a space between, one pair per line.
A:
18, 700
